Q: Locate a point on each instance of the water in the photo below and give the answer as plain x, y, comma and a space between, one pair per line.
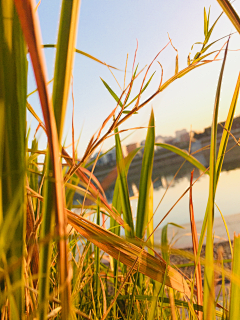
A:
227, 197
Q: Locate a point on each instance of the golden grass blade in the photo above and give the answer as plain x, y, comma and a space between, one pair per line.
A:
127, 253
84, 54
29, 107
226, 228
231, 13
235, 288
31, 30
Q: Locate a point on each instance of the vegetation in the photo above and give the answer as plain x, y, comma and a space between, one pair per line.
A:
51, 271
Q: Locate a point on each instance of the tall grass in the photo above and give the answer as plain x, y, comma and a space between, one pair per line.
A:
56, 264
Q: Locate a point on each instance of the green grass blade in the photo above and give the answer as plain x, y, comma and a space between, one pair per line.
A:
227, 129
113, 94
220, 158
116, 98
231, 13
61, 84
164, 243
13, 74
30, 26
209, 293
64, 60
156, 292
184, 154
97, 265
235, 288
33, 176
132, 298
150, 234
116, 202
145, 179
123, 186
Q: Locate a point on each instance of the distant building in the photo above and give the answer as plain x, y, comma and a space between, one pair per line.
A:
169, 140
132, 146
111, 156
125, 150
159, 139
101, 160
181, 135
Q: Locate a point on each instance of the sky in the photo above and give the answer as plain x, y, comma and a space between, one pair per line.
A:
109, 30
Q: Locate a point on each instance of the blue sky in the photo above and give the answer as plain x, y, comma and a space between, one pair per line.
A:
108, 30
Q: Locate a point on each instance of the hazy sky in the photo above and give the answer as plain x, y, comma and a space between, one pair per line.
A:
109, 30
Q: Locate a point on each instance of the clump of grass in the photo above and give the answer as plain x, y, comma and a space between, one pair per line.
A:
56, 264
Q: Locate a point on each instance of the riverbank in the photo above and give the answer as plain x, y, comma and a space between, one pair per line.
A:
181, 252
182, 237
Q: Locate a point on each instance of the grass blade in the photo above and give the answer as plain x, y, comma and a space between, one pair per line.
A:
123, 187
116, 202
62, 76
64, 60
31, 30
220, 157
84, 54
150, 234
195, 249
205, 23
209, 292
184, 154
227, 129
231, 13
127, 253
235, 288
97, 266
13, 91
145, 179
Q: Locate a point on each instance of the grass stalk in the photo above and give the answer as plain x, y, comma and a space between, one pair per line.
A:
13, 81
209, 293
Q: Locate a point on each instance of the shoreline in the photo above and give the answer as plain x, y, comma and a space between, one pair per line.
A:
184, 235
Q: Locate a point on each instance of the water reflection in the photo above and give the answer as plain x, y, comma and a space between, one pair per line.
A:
227, 196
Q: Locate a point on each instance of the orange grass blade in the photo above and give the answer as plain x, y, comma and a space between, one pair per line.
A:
195, 249
93, 189
127, 253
